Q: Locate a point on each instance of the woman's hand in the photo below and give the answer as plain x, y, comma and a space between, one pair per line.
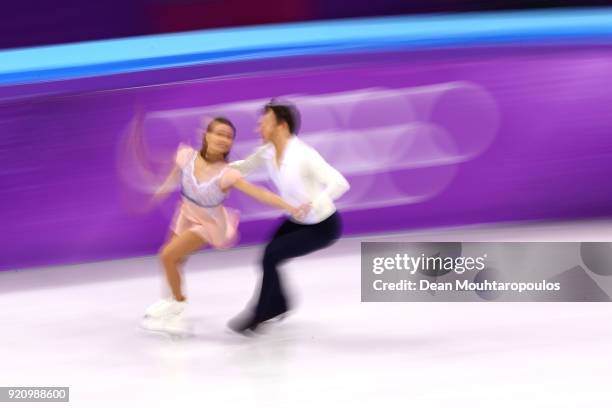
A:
299, 213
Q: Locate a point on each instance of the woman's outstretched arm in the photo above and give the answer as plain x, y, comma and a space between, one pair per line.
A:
267, 197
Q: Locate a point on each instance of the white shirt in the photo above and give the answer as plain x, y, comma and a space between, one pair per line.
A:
303, 177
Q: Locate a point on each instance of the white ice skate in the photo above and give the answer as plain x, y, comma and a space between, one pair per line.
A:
164, 307
167, 316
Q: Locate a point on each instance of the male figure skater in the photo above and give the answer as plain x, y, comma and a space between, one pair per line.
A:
301, 176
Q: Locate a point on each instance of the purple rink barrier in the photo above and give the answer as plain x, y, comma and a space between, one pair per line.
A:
523, 134
397, 146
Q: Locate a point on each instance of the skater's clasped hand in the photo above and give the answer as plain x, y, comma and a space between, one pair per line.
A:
300, 212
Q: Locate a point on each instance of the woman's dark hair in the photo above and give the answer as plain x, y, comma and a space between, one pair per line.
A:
285, 112
209, 128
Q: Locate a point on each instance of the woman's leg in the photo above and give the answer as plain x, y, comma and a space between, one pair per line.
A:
174, 253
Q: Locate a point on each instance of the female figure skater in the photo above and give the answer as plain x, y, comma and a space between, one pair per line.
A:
201, 219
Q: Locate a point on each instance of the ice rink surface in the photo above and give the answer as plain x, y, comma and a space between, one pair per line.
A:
78, 326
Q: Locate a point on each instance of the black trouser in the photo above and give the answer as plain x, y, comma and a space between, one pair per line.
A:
289, 241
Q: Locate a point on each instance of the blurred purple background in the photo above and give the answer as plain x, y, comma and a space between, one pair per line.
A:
429, 137
34, 22
63, 199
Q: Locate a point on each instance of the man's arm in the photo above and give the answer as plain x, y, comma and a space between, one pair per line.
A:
252, 162
335, 183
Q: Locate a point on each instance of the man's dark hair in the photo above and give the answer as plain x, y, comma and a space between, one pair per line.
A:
285, 112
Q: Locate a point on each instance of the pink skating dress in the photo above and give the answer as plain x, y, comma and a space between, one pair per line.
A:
201, 209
